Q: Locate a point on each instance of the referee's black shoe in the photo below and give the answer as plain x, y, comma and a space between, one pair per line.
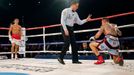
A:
77, 62
61, 61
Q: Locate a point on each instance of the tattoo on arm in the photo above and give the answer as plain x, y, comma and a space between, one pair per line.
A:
118, 32
99, 33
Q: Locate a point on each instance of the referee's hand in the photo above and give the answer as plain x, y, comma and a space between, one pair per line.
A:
89, 17
66, 32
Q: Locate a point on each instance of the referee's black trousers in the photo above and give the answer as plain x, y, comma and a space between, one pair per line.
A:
70, 39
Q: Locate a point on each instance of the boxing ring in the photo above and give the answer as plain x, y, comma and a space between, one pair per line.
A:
32, 66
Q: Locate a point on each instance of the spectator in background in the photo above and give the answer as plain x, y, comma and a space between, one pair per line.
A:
85, 47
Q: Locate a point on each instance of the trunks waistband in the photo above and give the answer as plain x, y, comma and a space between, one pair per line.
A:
16, 36
111, 37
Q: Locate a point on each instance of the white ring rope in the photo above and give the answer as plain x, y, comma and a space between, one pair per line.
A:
59, 43
54, 51
78, 31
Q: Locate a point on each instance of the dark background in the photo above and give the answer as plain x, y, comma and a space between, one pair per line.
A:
34, 13
46, 12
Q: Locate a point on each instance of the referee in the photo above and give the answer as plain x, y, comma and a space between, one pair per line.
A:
69, 17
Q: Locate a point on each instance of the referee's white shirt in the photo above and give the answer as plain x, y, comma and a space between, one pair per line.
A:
69, 18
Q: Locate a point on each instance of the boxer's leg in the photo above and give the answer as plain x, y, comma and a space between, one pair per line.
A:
114, 59
94, 47
12, 50
16, 51
114, 53
118, 60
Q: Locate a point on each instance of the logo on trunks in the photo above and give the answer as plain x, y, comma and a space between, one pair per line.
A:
28, 68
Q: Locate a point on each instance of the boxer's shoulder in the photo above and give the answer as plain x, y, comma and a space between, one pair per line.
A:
19, 26
102, 27
113, 24
16, 26
11, 26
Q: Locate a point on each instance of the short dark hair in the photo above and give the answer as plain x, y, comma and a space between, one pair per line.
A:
74, 2
106, 19
13, 20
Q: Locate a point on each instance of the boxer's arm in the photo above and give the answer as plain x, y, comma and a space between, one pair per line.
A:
10, 30
99, 33
119, 33
79, 21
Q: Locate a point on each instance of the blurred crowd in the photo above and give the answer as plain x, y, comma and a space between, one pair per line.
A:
38, 46
125, 45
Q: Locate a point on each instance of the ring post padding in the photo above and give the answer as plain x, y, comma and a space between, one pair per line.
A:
44, 39
70, 49
22, 47
25, 42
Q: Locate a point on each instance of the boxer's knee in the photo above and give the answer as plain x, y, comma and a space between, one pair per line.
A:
93, 44
16, 47
13, 45
115, 59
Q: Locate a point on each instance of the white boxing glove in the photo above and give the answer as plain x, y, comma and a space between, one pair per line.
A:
10, 37
92, 38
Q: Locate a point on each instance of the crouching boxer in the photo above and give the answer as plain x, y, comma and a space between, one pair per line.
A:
109, 43
15, 37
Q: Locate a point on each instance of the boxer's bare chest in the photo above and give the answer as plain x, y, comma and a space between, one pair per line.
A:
16, 28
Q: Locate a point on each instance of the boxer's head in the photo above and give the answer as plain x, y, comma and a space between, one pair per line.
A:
16, 21
104, 21
74, 6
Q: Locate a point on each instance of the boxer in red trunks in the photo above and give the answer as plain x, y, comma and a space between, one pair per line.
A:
109, 43
15, 37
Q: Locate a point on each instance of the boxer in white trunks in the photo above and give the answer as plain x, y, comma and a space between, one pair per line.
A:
109, 43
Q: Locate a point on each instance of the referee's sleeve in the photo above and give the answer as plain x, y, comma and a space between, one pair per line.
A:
79, 21
63, 18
